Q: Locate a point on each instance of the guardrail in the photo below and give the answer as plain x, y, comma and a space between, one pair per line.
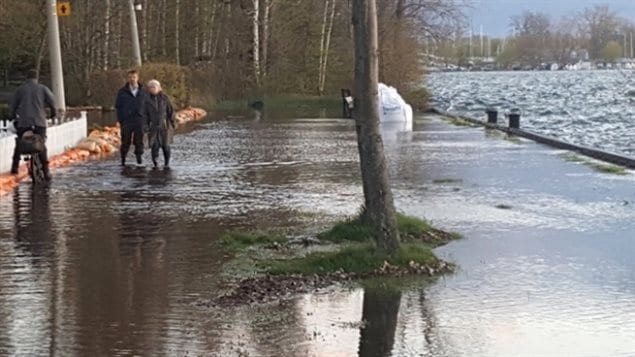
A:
62, 134
513, 128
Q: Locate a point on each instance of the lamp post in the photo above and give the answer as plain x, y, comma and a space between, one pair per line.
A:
134, 31
55, 53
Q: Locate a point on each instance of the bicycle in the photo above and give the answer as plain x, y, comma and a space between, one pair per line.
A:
30, 145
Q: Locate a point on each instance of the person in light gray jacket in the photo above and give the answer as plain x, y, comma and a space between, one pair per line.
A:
28, 108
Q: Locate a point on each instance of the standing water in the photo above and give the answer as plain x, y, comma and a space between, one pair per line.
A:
593, 108
112, 262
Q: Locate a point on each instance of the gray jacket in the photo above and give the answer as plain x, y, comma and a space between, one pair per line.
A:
29, 104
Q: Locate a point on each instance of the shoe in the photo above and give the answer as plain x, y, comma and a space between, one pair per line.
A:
123, 162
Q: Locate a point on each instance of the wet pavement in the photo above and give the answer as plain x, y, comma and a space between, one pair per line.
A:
113, 262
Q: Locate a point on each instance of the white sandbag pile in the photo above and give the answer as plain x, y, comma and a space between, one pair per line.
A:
393, 109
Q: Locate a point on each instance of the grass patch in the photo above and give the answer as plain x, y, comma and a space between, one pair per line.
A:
240, 240
513, 139
410, 229
446, 181
460, 122
361, 258
596, 165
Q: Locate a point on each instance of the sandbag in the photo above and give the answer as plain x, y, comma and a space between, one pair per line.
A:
90, 146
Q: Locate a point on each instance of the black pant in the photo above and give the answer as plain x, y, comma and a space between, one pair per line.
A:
131, 133
41, 131
166, 153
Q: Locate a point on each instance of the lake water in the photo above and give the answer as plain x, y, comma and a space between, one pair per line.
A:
592, 108
115, 263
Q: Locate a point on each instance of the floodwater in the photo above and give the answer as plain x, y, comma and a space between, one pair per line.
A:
115, 263
592, 108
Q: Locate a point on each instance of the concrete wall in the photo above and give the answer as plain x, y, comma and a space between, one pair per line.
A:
59, 138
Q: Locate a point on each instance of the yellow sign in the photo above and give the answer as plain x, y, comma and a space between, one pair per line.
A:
63, 8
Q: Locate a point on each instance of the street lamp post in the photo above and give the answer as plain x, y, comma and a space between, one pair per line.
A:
134, 31
55, 54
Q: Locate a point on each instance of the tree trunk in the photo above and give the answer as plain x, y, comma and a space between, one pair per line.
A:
106, 53
40, 55
256, 41
177, 32
144, 31
379, 209
327, 45
322, 43
163, 13
197, 17
118, 39
265, 36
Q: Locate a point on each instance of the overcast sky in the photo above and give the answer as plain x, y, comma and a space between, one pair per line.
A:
495, 15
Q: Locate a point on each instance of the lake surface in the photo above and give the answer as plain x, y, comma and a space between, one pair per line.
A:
592, 108
116, 263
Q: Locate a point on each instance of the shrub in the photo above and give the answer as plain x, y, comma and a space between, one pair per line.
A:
418, 98
103, 85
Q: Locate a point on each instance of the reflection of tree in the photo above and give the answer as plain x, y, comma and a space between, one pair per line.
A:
380, 312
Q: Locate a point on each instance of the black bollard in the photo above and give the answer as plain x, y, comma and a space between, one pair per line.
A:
514, 119
492, 115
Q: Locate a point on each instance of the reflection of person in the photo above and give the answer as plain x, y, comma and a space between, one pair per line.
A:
130, 107
32, 220
160, 119
28, 108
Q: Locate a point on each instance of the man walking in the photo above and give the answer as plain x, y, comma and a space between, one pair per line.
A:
130, 107
28, 108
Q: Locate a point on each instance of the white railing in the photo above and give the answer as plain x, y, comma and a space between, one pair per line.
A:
60, 137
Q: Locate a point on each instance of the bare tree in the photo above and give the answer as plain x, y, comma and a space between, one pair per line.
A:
379, 209
255, 18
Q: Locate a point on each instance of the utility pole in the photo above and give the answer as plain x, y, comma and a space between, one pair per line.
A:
55, 53
134, 30
631, 45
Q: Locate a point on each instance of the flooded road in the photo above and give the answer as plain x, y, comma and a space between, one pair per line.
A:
113, 263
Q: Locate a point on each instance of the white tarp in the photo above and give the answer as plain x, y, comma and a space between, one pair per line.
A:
393, 108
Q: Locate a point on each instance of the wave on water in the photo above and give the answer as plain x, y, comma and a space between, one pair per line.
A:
592, 108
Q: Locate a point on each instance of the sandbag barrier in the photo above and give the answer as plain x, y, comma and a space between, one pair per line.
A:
98, 144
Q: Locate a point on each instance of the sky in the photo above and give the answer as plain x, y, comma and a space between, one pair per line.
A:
495, 15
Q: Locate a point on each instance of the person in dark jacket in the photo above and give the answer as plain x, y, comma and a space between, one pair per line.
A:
28, 107
160, 121
130, 107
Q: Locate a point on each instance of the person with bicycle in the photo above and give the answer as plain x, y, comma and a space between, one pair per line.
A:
130, 105
28, 108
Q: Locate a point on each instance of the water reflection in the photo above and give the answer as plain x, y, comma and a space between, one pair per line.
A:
32, 214
379, 321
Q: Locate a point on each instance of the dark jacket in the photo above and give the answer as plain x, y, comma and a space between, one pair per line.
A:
130, 108
29, 104
159, 114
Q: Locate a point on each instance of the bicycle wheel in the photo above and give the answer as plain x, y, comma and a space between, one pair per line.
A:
36, 169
